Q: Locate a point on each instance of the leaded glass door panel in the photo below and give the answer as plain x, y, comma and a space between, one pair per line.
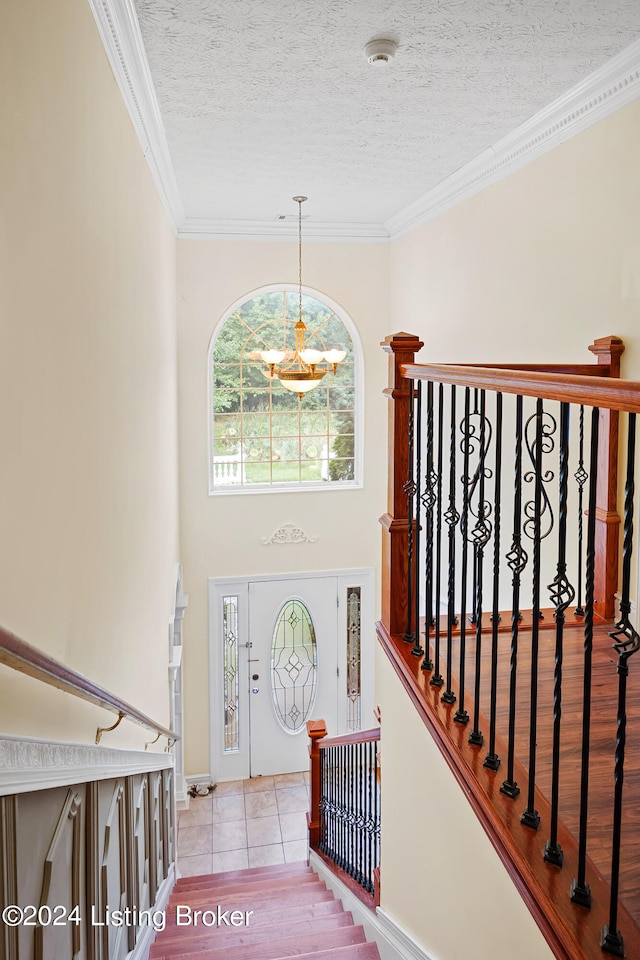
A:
293, 667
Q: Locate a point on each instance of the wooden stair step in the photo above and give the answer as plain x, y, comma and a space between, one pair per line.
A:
280, 869
203, 899
216, 938
301, 944
238, 886
310, 893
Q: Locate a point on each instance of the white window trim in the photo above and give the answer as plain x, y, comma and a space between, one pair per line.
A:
259, 488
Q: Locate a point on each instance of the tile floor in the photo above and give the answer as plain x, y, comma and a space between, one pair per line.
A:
245, 823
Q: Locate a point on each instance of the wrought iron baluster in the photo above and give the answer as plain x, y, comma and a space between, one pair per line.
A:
416, 649
580, 891
562, 594
349, 810
517, 560
492, 760
533, 528
451, 518
429, 501
474, 586
461, 715
481, 534
581, 478
323, 802
361, 804
436, 679
409, 488
627, 642
369, 809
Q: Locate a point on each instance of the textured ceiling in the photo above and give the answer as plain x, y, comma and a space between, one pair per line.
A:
264, 99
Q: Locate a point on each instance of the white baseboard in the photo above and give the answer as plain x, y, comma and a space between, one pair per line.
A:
393, 943
204, 778
182, 797
148, 935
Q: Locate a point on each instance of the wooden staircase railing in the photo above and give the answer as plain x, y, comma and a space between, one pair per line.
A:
25, 658
485, 547
344, 820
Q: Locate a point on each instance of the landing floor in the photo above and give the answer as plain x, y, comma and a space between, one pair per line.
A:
245, 823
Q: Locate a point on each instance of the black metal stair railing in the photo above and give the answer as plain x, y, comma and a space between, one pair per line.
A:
477, 548
349, 805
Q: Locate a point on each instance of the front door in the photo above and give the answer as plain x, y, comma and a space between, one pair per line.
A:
293, 668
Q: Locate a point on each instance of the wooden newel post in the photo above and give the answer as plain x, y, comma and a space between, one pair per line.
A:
402, 348
316, 730
608, 350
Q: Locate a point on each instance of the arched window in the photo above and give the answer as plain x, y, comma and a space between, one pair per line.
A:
263, 436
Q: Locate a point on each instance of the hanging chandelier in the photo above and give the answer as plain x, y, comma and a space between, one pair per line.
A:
302, 369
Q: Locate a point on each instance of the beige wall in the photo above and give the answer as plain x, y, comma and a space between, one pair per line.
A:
536, 266
88, 514
220, 535
441, 879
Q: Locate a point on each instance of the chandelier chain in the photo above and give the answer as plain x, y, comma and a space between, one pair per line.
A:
300, 201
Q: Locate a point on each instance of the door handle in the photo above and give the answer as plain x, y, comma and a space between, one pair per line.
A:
255, 690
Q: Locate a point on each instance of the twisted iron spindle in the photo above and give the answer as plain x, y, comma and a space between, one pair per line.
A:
581, 476
481, 534
451, 517
461, 715
580, 891
436, 678
562, 594
409, 488
627, 642
429, 501
416, 649
517, 561
492, 760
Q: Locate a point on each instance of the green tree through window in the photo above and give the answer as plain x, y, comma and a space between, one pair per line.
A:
263, 434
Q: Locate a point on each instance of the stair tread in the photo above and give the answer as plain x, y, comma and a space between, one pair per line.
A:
284, 869
301, 944
257, 884
246, 935
203, 899
309, 894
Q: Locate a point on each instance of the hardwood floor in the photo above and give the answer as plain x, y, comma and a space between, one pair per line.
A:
604, 692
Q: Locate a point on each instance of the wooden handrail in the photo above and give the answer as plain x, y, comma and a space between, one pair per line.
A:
611, 394
21, 656
360, 736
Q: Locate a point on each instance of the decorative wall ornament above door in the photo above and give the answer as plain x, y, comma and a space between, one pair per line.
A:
288, 533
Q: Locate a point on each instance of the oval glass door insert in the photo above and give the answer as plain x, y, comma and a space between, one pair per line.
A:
294, 663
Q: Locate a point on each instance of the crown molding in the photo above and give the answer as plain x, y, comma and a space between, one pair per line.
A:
120, 33
202, 229
602, 93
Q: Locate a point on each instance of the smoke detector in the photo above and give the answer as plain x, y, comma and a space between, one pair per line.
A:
380, 51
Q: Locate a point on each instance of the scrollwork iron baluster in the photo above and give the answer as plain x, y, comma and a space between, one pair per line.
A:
467, 430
